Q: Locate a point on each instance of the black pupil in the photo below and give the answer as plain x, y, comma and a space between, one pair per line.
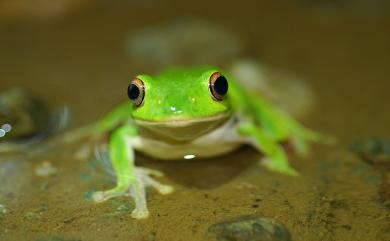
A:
221, 85
133, 92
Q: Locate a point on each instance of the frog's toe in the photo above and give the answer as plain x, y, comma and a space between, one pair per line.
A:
148, 171
101, 196
150, 181
165, 189
140, 213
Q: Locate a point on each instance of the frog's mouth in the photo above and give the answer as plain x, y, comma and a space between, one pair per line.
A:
181, 129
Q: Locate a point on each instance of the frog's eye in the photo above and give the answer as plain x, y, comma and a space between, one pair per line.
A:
218, 86
136, 92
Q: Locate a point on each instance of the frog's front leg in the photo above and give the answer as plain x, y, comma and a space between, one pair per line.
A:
276, 158
130, 178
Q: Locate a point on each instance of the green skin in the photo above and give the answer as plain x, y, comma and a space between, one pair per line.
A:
183, 95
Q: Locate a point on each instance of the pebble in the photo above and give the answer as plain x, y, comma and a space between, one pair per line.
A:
248, 228
45, 169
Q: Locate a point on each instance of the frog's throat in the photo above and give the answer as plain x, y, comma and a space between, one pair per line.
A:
180, 129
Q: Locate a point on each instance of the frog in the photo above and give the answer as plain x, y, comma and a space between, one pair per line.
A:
185, 113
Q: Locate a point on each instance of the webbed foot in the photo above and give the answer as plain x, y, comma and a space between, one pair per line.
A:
136, 189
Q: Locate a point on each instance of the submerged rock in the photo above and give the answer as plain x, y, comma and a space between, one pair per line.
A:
45, 169
249, 228
375, 151
26, 114
25, 119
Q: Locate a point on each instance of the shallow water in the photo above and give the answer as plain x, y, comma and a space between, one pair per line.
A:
342, 48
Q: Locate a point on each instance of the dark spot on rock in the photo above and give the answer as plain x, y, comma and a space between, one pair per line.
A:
347, 227
384, 192
69, 220
338, 204
375, 151
248, 228
255, 205
288, 204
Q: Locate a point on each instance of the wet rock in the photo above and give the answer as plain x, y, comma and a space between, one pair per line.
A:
374, 151
249, 228
26, 119
25, 114
45, 169
13, 177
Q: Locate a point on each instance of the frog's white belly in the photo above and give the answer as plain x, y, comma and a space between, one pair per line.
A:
220, 141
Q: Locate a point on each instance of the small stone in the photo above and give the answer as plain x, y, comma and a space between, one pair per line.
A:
32, 215
2, 211
248, 228
45, 169
374, 151
124, 209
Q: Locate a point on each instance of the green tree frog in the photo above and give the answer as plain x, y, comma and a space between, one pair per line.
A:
185, 113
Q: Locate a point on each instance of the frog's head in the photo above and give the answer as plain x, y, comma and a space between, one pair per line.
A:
181, 103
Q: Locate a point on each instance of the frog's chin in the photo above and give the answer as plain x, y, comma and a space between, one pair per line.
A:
182, 129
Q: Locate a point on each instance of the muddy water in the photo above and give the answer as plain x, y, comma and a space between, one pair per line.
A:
343, 48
